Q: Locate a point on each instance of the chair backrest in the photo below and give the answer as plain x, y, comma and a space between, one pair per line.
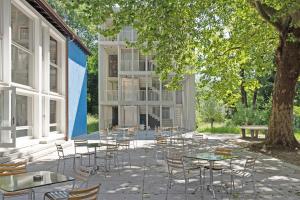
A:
198, 136
124, 143
160, 140
80, 144
175, 163
223, 151
82, 174
250, 164
90, 193
8, 169
60, 150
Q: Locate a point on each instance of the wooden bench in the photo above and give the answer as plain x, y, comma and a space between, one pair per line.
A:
254, 130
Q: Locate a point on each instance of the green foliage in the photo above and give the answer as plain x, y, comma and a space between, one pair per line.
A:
249, 116
223, 129
82, 29
211, 110
220, 128
92, 123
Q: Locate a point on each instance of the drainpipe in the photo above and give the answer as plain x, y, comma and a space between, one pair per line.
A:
67, 90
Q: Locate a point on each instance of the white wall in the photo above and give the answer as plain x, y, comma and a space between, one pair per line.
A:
39, 92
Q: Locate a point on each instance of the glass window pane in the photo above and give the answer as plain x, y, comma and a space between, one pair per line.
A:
53, 78
53, 51
22, 110
113, 65
22, 133
126, 59
20, 66
22, 27
53, 128
52, 112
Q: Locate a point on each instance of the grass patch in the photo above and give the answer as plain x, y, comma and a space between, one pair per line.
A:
92, 123
222, 129
218, 128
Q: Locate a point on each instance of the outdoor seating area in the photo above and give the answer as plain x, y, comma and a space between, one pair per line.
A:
173, 164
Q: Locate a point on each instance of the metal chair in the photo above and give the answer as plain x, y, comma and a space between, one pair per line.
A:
248, 172
63, 157
124, 145
161, 146
220, 166
9, 169
177, 170
82, 144
82, 175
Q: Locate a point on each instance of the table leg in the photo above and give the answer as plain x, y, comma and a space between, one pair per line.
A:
211, 178
252, 133
243, 133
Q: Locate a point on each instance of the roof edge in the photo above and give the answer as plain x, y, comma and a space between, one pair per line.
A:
49, 13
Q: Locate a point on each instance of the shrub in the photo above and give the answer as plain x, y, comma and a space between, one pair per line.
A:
249, 116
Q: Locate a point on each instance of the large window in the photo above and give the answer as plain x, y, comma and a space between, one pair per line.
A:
53, 116
1, 35
113, 65
54, 66
126, 59
23, 115
21, 51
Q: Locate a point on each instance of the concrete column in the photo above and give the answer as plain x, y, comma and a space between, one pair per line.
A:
147, 103
38, 81
119, 86
6, 41
160, 106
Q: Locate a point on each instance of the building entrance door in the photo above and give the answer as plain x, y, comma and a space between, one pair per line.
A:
130, 116
7, 116
115, 116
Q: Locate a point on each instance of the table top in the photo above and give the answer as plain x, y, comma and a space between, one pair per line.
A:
23, 181
100, 144
255, 127
209, 156
122, 129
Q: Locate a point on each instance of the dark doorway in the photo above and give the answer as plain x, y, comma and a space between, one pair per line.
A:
115, 115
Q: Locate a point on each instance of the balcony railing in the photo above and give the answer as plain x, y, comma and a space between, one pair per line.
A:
138, 95
109, 38
153, 95
167, 96
112, 95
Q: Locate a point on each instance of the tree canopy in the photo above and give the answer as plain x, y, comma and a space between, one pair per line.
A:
230, 43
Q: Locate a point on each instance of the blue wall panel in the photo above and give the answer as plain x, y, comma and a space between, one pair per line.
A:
77, 91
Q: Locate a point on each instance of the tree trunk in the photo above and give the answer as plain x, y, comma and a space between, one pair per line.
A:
212, 123
254, 100
280, 132
243, 91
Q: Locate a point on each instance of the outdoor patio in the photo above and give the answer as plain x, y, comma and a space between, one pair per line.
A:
147, 177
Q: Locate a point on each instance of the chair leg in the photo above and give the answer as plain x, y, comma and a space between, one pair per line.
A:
129, 157
64, 160
58, 161
74, 162
168, 187
185, 188
32, 195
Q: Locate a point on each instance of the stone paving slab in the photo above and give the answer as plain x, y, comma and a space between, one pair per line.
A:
147, 178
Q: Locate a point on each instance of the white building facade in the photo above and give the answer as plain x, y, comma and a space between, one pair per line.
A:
33, 72
131, 93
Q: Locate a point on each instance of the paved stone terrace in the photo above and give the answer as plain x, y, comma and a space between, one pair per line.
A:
147, 178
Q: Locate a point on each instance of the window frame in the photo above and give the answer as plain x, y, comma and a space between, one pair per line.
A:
29, 125
56, 116
1, 40
57, 66
30, 50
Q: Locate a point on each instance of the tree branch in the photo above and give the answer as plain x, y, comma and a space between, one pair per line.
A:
267, 13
